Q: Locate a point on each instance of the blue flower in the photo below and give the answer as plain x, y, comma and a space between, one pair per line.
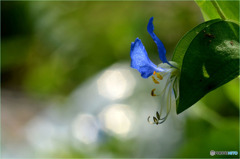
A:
141, 61
166, 71
139, 56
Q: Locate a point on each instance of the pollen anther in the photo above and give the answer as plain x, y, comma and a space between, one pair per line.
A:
159, 76
155, 120
154, 80
152, 92
158, 115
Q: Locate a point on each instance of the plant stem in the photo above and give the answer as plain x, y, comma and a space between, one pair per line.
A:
218, 9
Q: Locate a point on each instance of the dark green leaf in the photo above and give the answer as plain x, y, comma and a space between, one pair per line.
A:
211, 60
183, 44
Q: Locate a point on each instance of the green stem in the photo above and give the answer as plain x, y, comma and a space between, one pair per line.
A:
218, 9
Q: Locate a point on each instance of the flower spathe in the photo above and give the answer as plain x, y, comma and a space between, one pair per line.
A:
165, 74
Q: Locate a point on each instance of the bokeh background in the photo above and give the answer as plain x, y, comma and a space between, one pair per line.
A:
67, 89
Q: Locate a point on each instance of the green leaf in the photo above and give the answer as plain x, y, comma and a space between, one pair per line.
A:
187, 39
210, 60
214, 9
230, 9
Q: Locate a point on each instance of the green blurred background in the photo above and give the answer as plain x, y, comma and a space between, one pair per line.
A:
67, 89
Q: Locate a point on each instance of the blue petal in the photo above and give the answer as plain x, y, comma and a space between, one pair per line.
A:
141, 61
161, 48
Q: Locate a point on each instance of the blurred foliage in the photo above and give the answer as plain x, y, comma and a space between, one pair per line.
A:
214, 124
51, 47
206, 138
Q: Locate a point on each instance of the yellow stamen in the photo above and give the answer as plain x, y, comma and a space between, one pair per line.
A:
154, 80
159, 76
152, 92
154, 72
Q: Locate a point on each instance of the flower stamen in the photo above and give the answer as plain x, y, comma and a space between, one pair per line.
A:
159, 76
152, 92
158, 116
150, 121
157, 120
154, 80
